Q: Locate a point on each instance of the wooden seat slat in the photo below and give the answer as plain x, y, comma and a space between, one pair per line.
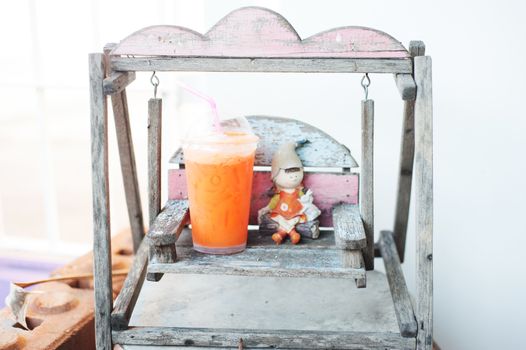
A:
262, 261
256, 239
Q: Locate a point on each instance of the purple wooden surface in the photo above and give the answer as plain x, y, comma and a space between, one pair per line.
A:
21, 270
329, 189
259, 32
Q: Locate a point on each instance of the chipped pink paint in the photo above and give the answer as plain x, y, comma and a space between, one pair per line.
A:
329, 189
260, 32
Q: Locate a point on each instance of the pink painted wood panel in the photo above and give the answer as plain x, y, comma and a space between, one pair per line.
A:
329, 189
260, 32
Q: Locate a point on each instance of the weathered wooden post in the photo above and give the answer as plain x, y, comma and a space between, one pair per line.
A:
424, 201
101, 203
407, 153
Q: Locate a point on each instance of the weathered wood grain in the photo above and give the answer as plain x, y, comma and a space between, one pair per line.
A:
417, 48
354, 259
259, 239
395, 276
101, 203
262, 261
367, 180
154, 157
117, 81
170, 222
166, 253
267, 339
321, 151
424, 201
125, 302
188, 300
407, 151
406, 86
128, 166
329, 190
126, 150
405, 177
278, 65
107, 66
348, 227
259, 32
162, 254
163, 233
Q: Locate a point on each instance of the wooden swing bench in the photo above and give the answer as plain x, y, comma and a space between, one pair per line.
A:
334, 254
259, 40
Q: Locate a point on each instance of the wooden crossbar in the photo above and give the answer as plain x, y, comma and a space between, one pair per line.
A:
269, 339
117, 81
252, 64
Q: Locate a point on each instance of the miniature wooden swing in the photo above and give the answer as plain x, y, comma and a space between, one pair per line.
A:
259, 40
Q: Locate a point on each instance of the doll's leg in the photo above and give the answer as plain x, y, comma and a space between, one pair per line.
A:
279, 236
295, 237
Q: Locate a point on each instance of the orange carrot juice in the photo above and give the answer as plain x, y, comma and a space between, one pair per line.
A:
219, 178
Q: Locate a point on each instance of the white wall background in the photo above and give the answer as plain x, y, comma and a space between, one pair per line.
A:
478, 72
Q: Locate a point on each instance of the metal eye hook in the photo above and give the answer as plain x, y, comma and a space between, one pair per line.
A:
366, 82
155, 82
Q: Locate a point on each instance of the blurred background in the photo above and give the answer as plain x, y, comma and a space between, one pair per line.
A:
478, 80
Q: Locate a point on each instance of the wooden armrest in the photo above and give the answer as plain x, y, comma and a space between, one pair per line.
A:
348, 227
170, 222
164, 232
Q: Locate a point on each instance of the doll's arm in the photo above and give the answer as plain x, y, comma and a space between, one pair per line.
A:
271, 205
306, 196
273, 202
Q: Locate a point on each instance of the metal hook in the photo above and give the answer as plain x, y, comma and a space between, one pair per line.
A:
155, 82
366, 82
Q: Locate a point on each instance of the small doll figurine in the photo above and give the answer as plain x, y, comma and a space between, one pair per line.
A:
291, 211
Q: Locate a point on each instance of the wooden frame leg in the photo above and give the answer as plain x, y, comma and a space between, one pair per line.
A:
405, 178
416, 48
125, 302
424, 201
395, 276
128, 167
101, 204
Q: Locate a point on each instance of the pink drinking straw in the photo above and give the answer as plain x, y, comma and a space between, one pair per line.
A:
211, 102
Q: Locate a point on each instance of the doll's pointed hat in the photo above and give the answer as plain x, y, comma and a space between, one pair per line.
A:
285, 158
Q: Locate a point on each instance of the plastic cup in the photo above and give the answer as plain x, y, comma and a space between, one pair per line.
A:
219, 171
